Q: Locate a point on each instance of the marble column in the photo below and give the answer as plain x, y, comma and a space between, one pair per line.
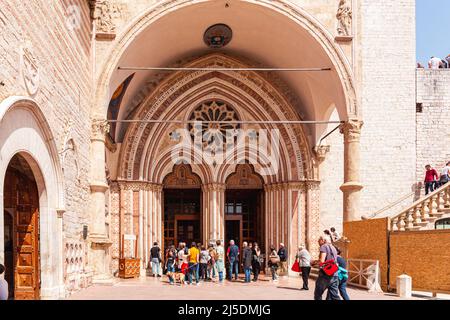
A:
213, 221
100, 244
352, 186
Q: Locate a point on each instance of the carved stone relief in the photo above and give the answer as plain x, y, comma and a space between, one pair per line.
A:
344, 17
105, 13
29, 69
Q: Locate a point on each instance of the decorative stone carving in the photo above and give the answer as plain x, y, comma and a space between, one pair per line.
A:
351, 130
105, 13
29, 69
244, 178
99, 129
321, 152
182, 177
213, 134
344, 17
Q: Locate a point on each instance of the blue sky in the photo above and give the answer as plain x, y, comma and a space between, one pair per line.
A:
433, 29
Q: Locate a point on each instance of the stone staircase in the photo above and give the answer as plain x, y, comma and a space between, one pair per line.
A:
423, 214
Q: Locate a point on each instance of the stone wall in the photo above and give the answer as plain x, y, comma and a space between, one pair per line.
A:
385, 71
433, 118
56, 35
423, 256
369, 241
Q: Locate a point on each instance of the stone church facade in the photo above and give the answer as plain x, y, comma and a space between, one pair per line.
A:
88, 129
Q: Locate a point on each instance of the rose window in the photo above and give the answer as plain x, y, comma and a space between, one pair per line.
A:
216, 122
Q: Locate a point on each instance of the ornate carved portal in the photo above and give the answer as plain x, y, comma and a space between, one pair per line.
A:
169, 204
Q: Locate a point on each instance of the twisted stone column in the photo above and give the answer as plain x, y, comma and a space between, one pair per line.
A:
352, 186
97, 232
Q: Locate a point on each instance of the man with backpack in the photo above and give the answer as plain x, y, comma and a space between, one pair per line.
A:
328, 273
233, 259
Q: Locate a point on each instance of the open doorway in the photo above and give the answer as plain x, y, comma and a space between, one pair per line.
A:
21, 225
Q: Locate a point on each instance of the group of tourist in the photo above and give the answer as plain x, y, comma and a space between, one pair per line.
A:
436, 63
205, 263
433, 180
200, 263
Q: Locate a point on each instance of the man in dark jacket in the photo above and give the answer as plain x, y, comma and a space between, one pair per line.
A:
282, 253
247, 260
233, 259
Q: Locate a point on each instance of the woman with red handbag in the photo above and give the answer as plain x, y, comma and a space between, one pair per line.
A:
328, 273
303, 259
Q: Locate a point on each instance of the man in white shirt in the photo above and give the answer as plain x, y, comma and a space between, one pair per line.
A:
3, 284
435, 63
445, 177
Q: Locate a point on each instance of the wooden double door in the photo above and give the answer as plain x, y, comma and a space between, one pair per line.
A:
21, 226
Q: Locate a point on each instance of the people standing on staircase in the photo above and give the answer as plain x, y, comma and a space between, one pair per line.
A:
445, 175
431, 178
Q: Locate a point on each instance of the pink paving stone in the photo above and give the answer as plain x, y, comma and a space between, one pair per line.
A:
159, 289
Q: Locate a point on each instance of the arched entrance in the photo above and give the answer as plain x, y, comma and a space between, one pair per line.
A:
27, 147
244, 207
182, 207
21, 230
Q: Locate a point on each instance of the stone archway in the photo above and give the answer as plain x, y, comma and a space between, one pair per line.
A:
289, 11
25, 131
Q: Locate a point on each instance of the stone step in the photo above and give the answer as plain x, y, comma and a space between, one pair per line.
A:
444, 210
421, 224
415, 228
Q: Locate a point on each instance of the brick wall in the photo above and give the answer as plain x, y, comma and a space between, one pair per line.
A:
369, 241
433, 118
424, 256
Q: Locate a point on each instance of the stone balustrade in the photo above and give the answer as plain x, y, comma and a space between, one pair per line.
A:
422, 214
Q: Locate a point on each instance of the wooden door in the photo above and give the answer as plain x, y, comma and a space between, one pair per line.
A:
26, 241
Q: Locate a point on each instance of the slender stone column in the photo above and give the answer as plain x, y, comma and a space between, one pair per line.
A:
97, 234
213, 212
352, 186
312, 223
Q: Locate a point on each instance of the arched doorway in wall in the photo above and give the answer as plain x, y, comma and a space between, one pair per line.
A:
21, 226
182, 199
244, 207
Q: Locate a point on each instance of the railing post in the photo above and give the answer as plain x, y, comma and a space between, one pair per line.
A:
447, 197
417, 214
409, 219
425, 210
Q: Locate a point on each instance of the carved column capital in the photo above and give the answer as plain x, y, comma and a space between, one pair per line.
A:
99, 129
321, 152
351, 130
312, 185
